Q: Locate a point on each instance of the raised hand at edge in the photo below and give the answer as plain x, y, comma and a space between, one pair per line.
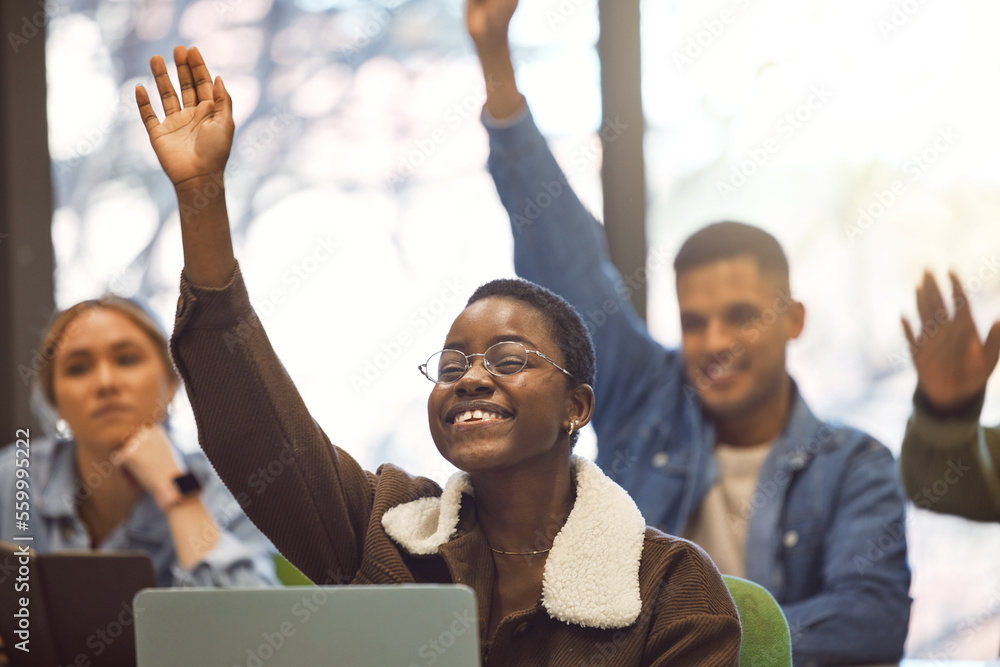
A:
953, 364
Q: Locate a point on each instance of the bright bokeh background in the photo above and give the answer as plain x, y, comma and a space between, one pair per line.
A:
359, 163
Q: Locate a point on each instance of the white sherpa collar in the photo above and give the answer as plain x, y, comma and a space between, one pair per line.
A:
422, 525
591, 575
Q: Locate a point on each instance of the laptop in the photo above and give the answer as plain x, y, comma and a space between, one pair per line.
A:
72, 608
349, 626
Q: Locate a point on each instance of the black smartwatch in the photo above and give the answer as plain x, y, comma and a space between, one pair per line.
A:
187, 484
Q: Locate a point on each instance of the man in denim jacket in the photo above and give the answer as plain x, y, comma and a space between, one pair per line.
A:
713, 441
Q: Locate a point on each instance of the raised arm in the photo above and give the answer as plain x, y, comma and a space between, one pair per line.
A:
557, 242
944, 441
487, 22
311, 499
192, 144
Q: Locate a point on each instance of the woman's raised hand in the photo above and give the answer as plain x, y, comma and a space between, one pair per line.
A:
194, 139
193, 143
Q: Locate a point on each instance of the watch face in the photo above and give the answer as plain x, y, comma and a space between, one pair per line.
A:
186, 484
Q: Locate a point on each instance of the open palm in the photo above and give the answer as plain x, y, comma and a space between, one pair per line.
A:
196, 134
952, 363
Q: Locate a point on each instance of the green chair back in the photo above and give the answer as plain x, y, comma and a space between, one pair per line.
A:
766, 641
288, 574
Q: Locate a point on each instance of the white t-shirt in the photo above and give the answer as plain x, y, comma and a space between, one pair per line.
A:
719, 526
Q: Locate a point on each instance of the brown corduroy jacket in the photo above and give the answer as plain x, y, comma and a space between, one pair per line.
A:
614, 592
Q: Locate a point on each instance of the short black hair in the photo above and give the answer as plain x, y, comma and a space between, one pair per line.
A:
725, 240
565, 324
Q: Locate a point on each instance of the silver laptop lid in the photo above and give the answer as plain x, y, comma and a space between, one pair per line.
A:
352, 626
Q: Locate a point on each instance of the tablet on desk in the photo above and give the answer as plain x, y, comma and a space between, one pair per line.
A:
349, 626
72, 607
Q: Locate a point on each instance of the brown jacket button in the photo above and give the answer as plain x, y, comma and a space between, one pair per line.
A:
522, 630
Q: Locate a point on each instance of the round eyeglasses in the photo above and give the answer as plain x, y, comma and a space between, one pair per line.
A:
502, 359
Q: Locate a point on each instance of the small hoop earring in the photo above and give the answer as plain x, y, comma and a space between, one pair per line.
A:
572, 427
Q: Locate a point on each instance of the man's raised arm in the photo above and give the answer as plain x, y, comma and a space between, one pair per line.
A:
557, 242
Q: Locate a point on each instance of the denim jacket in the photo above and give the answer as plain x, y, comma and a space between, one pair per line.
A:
826, 525
241, 557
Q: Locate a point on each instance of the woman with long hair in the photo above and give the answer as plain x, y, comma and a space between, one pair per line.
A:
116, 480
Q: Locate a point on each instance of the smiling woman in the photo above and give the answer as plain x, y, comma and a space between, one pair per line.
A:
527, 396
563, 566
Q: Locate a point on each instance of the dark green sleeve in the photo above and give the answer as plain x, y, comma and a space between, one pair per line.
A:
950, 463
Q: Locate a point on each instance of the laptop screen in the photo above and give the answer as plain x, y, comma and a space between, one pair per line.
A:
356, 626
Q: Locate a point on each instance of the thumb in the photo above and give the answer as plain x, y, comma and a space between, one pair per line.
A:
223, 100
991, 348
908, 332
